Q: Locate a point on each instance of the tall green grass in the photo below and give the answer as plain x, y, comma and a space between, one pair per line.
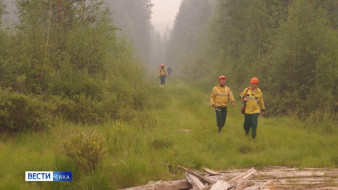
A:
182, 131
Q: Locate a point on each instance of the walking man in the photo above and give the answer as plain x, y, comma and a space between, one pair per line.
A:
252, 98
219, 101
162, 73
169, 71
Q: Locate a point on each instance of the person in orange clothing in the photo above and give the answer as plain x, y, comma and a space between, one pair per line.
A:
162, 73
252, 98
219, 98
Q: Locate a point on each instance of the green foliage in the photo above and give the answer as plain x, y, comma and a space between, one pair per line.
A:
135, 24
188, 34
303, 70
185, 133
82, 109
68, 53
86, 151
293, 53
2, 11
19, 112
68, 82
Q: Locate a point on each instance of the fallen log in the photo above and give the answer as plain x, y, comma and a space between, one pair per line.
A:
282, 178
196, 184
202, 178
220, 185
169, 185
211, 172
240, 182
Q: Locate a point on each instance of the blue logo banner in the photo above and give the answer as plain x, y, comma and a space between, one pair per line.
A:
62, 176
48, 176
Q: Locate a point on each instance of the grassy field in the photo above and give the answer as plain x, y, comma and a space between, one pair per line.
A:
182, 131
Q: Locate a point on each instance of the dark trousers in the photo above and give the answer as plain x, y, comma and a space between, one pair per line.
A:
221, 117
251, 122
162, 77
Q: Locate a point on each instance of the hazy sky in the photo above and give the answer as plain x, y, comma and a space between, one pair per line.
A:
164, 13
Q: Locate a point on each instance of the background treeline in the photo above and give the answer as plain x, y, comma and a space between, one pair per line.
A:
66, 58
133, 20
290, 45
189, 35
132, 17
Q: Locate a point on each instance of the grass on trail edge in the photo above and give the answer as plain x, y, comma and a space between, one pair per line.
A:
183, 131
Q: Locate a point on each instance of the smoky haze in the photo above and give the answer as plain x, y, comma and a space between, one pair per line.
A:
164, 13
189, 34
145, 24
11, 16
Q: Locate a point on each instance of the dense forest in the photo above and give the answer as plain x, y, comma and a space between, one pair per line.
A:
83, 55
65, 59
294, 53
80, 91
132, 17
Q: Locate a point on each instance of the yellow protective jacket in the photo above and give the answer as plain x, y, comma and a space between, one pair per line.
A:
162, 72
254, 102
221, 95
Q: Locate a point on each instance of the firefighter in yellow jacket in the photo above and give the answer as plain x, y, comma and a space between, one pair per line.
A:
252, 98
219, 98
162, 73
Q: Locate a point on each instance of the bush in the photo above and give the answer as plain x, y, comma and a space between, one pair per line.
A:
62, 107
85, 151
19, 112
82, 109
68, 82
82, 98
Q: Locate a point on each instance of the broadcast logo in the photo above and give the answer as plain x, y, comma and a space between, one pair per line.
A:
48, 176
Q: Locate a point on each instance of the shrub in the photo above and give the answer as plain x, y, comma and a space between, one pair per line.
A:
85, 151
82, 109
19, 112
69, 82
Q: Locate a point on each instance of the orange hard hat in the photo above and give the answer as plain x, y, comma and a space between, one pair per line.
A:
254, 81
222, 77
162, 65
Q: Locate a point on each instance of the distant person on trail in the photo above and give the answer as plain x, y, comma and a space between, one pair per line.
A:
252, 99
162, 73
169, 71
219, 101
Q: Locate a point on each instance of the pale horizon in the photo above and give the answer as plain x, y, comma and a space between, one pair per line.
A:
164, 14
